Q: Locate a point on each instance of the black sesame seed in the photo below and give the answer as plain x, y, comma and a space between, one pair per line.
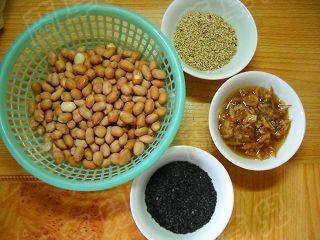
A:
180, 197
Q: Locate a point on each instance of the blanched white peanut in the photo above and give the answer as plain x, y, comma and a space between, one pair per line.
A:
79, 58
68, 106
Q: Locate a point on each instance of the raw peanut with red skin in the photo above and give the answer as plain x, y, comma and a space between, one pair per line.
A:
60, 66
151, 118
141, 131
109, 138
123, 139
109, 72
88, 154
126, 89
46, 87
60, 144
48, 115
81, 81
105, 121
156, 126
33, 124
154, 92
100, 98
153, 64
58, 157
94, 147
107, 87
146, 139
68, 140
119, 73
149, 106
97, 158
158, 74
139, 90
78, 154
50, 127
90, 135
113, 116
80, 143
85, 112
64, 117
139, 99
99, 70
66, 97
130, 144
116, 131
87, 90
99, 106
71, 124
57, 94
46, 104
158, 83
161, 111
114, 158
79, 69
138, 148
88, 164
126, 65
105, 149
77, 116
115, 146
62, 127
36, 87
52, 58
141, 120
45, 95
100, 131
124, 156
99, 50
76, 94
113, 96
97, 118
138, 108
32, 107
146, 72
127, 118
146, 84
163, 98
91, 74
95, 59
128, 107
120, 82
56, 134
137, 77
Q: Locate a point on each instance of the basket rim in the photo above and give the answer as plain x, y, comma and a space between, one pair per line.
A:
93, 185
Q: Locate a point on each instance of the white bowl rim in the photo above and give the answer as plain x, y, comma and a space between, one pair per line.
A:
222, 149
203, 74
228, 182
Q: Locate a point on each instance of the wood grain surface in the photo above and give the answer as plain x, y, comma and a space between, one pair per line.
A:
280, 204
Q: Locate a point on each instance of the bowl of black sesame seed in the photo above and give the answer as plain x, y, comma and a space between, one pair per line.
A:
215, 39
187, 195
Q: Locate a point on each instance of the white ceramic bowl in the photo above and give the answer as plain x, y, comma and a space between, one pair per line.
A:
222, 184
285, 93
234, 12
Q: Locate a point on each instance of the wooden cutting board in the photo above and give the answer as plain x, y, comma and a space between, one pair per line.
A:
280, 204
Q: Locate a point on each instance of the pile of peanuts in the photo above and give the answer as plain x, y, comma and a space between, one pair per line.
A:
98, 106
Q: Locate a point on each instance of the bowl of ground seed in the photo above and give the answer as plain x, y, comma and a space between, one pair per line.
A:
186, 195
215, 39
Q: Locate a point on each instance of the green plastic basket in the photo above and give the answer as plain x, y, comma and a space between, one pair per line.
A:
26, 61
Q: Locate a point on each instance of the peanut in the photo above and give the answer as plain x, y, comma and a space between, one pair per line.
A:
68, 106
138, 148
